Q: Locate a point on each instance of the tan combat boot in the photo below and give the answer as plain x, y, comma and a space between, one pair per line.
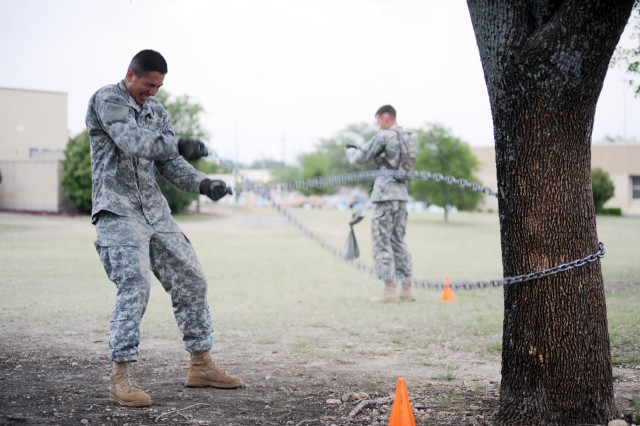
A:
203, 372
123, 389
389, 295
406, 294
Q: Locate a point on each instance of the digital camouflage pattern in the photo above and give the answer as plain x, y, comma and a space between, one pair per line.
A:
389, 198
127, 141
135, 230
384, 150
390, 252
129, 249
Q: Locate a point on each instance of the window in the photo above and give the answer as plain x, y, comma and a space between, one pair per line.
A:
635, 187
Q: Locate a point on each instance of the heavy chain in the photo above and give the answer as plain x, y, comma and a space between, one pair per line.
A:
362, 176
369, 175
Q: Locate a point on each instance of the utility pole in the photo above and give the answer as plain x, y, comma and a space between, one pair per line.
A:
284, 146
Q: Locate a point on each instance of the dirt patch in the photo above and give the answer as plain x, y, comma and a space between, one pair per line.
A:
48, 385
42, 385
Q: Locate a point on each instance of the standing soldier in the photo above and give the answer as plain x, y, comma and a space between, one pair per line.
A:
389, 198
131, 136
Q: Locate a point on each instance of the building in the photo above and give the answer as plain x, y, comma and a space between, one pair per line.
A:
33, 136
622, 162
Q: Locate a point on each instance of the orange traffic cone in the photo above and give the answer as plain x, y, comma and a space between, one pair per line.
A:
401, 414
447, 291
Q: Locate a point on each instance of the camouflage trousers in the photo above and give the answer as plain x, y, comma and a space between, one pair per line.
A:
390, 252
130, 249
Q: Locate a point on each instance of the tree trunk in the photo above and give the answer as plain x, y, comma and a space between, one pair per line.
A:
544, 64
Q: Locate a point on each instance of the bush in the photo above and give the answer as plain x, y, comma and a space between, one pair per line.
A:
178, 199
76, 175
602, 187
613, 211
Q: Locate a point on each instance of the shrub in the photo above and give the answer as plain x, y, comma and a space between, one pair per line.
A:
76, 174
602, 187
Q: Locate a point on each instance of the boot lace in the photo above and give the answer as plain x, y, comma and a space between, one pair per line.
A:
128, 377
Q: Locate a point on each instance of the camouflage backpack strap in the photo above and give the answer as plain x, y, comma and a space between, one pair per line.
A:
404, 153
404, 149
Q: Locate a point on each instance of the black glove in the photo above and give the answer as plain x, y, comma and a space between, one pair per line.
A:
192, 150
350, 145
214, 189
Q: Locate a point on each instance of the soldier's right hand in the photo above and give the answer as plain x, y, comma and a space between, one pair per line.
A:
214, 189
192, 150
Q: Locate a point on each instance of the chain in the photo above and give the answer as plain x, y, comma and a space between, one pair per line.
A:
368, 175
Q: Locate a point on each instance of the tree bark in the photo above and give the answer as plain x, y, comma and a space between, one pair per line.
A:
544, 64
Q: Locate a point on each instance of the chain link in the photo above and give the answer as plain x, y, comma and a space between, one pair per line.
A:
355, 177
369, 175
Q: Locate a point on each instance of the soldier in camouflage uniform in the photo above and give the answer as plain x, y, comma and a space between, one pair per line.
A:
389, 198
130, 136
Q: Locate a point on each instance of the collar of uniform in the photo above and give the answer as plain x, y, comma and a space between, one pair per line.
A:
132, 102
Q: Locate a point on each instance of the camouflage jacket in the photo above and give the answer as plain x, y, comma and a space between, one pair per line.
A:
127, 141
384, 150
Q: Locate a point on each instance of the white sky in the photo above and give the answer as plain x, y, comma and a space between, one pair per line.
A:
287, 72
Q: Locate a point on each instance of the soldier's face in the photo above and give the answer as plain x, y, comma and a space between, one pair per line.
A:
143, 87
385, 121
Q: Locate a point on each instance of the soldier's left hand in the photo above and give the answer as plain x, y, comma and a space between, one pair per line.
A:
214, 189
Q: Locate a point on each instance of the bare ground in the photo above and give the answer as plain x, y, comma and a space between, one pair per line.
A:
45, 383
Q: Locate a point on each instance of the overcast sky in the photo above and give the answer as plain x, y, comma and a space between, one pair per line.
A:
286, 73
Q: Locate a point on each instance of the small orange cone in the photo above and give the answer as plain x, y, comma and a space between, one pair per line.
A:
447, 291
401, 413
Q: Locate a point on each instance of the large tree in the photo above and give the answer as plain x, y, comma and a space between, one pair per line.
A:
544, 63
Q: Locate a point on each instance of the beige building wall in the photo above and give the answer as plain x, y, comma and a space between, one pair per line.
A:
33, 185
33, 136
31, 121
622, 162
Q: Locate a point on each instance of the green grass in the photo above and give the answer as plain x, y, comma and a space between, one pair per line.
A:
275, 296
448, 374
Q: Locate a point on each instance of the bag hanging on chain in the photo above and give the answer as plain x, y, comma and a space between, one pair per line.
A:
351, 250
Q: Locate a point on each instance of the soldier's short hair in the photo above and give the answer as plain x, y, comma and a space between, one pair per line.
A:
147, 61
386, 109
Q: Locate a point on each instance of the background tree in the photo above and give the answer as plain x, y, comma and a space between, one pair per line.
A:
329, 157
316, 164
544, 63
185, 117
286, 174
76, 172
629, 58
441, 152
602, 188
